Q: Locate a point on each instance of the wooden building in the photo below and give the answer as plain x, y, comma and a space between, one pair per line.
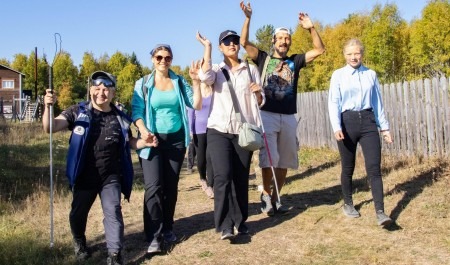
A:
11, 82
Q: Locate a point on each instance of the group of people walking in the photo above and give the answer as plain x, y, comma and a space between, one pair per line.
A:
99, 160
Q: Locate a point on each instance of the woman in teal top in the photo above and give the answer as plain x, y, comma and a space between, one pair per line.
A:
159, 108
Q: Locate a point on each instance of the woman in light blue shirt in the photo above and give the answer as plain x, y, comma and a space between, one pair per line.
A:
356, 112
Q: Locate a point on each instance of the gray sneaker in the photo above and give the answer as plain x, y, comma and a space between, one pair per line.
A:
154, 247
280, 208
227, 234
383, 219
266, 204
350, 211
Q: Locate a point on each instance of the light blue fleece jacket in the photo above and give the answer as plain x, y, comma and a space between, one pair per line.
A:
140, 111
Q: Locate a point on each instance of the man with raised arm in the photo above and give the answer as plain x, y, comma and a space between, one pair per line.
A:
279, 76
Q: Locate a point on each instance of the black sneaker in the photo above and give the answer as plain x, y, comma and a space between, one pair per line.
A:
170, 237
242, 230
227, 234
266, 204
114, 259
82, 252
383, 219
350, 211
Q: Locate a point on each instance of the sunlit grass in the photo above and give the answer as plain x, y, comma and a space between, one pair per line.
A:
314, 232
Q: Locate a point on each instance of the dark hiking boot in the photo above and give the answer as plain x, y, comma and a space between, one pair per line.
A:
170, 237
82, 252
114, 259
242, 229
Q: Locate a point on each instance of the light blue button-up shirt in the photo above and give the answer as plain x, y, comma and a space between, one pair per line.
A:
355, 89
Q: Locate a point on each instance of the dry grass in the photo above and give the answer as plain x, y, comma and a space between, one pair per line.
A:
314, 232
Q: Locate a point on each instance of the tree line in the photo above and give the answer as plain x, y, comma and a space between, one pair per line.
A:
396, 49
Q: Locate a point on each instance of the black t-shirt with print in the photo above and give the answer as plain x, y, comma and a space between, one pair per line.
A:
103, 148
280, 84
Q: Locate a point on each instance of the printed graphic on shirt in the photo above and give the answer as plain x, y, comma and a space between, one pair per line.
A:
279, 79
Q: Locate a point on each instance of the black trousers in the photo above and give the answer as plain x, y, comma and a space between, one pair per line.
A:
360, 127
192, 153
161, 176
230, 165
204, 169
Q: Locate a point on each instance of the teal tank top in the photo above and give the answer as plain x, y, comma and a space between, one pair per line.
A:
166, 111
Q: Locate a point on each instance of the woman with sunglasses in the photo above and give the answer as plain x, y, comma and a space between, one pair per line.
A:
231, 165
159, 108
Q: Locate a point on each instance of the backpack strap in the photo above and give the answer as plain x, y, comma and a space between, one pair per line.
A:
263, 74
145, 88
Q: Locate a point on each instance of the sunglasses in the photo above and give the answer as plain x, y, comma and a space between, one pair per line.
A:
227, 41
167, 59
104, 81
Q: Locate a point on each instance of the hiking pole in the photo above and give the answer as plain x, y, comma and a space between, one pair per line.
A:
265, 138
266, 145
50, 84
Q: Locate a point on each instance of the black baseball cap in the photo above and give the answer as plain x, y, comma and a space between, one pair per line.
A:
227, 33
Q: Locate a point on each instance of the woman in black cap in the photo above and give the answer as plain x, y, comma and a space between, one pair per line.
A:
231, 163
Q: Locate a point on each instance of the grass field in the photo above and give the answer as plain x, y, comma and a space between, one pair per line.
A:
315, 231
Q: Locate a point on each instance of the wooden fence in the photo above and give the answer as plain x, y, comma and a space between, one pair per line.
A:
418, 113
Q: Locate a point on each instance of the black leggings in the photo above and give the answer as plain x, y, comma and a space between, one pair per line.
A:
203, 161
360, 127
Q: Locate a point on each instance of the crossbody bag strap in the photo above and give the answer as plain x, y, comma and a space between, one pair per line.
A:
233, 95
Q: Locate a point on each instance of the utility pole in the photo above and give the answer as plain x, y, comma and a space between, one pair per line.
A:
35, 73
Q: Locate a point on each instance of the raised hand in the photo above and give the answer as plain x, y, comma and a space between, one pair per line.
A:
193, 70
305, 21
203, 40
246, 8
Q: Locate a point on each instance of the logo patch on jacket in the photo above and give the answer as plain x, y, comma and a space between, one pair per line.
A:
78, 130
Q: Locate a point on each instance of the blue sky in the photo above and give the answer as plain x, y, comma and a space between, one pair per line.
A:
102, 26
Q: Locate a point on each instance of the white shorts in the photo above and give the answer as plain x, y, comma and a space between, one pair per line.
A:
281, 134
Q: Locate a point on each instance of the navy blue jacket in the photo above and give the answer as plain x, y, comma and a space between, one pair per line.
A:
77, 147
